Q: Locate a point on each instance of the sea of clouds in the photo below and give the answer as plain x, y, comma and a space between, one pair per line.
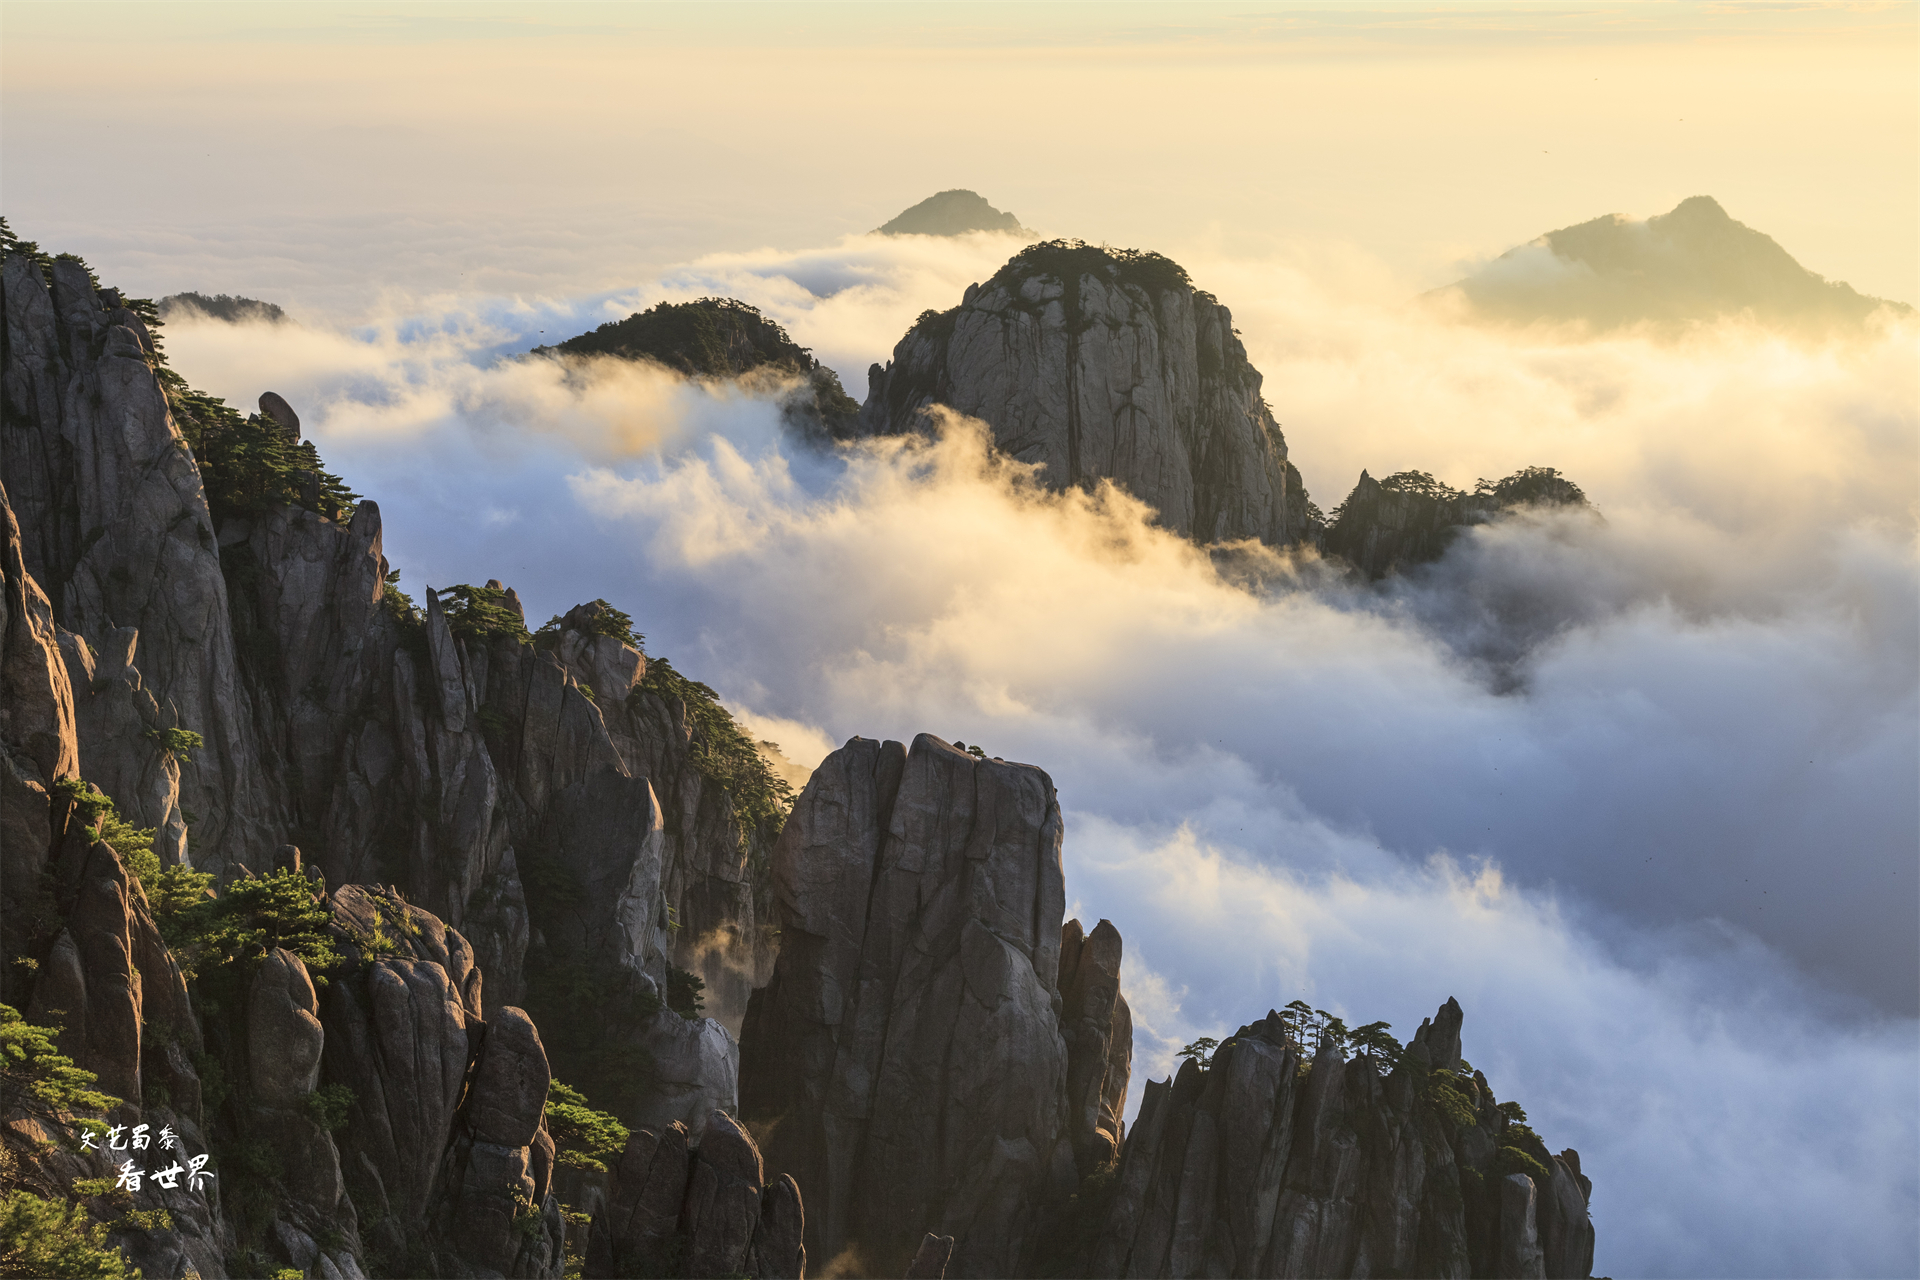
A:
1640, 789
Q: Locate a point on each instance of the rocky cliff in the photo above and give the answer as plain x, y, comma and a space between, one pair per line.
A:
244, 679
928, 1057
1411, 519
1105, 365
1282, 1157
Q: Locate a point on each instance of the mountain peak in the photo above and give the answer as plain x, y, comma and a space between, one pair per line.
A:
1693, 264
951, 213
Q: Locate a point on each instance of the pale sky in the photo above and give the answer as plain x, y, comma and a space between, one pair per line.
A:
316, 154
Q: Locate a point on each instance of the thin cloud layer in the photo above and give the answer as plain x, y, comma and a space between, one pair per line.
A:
1639, 790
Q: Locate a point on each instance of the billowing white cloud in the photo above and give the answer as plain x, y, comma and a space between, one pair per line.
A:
1639, 790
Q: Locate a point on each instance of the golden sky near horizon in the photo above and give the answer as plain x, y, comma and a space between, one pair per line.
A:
317, 154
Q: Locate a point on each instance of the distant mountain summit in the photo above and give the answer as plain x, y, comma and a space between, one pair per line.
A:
1692, 265
951, 213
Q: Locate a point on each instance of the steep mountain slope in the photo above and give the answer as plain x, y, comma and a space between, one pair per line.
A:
1105, 365
1691, 265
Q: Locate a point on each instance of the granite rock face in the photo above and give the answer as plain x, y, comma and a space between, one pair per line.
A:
1273, 1161
116, 530
907, 1062
704, 1209
1102, 366
39, 736
1099, 1033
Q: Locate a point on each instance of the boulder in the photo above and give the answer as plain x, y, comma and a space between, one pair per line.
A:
274, 406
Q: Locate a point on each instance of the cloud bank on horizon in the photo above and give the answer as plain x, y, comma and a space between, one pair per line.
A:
1670, 876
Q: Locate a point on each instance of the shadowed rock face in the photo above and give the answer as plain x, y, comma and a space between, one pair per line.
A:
1104, 366
1273, 1162
706, 1210
908, 1062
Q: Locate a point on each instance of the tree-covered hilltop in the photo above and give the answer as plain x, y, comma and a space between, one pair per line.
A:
232, 308
720, 338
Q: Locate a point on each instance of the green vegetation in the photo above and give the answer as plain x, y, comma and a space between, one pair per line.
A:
1201, 1051
328, 1106
43, 1238
178, 742
686, 993
234, 931
478, 614
35, 1077
90, 802
1373, 1041
1532, 485
247, 463
1444, 1090
398, 602
242, 924
144, 1220
582, 1136
1511, 1159
1420, 484
720, 752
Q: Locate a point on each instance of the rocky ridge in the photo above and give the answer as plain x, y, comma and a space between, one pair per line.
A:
1274, 1159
